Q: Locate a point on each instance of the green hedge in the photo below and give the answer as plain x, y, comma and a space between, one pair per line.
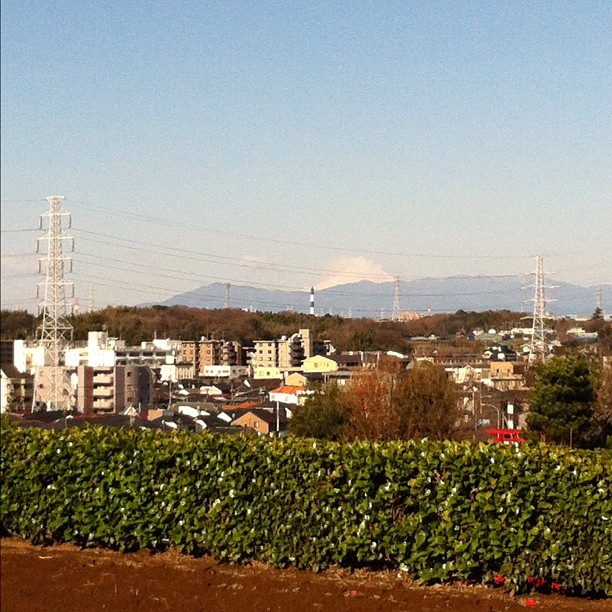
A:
440, 511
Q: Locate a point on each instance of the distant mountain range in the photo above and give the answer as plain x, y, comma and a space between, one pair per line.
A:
368, 299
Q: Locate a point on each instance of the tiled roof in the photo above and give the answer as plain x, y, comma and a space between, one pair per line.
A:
289, 389
242, 406
265, 415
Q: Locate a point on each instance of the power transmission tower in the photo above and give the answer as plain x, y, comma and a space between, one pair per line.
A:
228, 303
598, 301
395, 316
51, 380
538, 350
91, 298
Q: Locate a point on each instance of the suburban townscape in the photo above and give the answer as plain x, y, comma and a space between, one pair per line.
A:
306, 306
226, 386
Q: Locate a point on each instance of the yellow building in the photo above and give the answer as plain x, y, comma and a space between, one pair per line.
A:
264, 372
319, 365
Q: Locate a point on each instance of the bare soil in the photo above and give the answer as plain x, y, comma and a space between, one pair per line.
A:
65, 578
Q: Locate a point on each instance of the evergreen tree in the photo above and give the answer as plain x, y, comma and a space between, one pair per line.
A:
562, 401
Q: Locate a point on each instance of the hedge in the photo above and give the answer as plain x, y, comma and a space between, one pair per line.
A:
482, 513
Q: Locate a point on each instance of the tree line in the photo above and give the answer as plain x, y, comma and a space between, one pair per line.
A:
135, 325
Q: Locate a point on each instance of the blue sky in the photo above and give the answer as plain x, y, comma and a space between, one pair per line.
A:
290, 144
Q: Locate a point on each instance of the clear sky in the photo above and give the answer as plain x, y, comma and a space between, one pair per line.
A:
288, 144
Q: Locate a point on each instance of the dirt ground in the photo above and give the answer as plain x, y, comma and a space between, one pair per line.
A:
60, 578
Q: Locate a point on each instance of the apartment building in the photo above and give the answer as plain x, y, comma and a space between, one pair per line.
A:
265, 354
189, 358
218, 353
287, 352
160, 356
16, 389
104, 389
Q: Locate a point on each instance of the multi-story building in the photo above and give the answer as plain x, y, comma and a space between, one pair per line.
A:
209, 353
287, 353
16, 389
291, 352
265, 354
232, 354
103, 389
218, 353
101, 351
189, 358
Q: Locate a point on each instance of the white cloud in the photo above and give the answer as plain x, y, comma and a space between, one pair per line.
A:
254, 260
352, 270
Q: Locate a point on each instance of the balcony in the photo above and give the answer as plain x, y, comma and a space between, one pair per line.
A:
103, 379
103, 392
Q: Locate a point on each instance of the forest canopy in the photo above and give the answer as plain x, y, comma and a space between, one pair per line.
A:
135, 325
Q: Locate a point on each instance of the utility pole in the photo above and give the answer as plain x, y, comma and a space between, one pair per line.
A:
395, 316
51, 380
277, 418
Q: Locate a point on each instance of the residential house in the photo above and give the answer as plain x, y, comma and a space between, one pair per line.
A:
506, 376
319, 365
264, 422
288, 394
296, 379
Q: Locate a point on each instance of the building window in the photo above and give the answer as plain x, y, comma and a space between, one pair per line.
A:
256, 424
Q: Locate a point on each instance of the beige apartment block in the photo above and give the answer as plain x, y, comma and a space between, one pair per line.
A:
265, 354
113, 389
290, 352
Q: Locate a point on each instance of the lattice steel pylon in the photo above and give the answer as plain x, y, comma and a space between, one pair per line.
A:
538, 350
396, 313
51, 379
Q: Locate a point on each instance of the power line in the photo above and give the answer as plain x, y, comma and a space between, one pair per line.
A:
17, 231
172, 274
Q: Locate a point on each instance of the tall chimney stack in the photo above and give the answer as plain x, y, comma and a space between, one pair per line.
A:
312, 310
